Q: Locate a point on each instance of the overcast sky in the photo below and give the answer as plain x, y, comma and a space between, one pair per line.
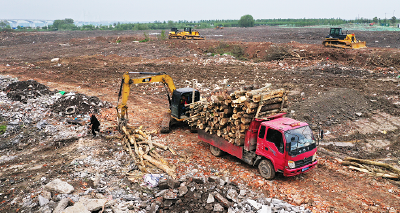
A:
192, 10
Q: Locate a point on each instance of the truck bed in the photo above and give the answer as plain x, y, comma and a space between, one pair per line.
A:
221, 143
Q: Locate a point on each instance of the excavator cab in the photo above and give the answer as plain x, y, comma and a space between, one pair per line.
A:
179, 98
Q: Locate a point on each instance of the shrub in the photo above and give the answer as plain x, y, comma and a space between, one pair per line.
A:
146, 38
162, 36
238, 52
278, 52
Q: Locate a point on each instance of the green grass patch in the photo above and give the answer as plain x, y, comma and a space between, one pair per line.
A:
3, 129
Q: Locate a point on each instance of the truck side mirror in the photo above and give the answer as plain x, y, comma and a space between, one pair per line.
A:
322, 134
288, 147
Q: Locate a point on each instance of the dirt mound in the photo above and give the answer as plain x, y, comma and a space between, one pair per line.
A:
333, 107
74, 104
24, 90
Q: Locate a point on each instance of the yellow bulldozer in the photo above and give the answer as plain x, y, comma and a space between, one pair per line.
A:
174, 33
347, 41
186, 34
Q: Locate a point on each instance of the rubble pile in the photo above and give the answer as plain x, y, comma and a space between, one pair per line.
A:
188, 194
25, 111
213, 194
24, 90
72, 104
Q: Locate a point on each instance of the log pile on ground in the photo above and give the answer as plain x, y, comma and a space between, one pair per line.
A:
144, 151
373, 168
229, 115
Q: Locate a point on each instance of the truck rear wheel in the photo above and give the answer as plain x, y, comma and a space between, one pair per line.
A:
266, 169
216, 151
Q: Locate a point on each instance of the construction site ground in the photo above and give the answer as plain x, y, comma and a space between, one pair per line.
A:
353, 95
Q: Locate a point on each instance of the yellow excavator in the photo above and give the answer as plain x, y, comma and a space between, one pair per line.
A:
177, 98
347, 41
186, 34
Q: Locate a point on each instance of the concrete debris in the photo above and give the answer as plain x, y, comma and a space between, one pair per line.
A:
35, 114
59, 186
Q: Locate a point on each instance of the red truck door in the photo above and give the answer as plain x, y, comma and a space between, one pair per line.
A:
270, 144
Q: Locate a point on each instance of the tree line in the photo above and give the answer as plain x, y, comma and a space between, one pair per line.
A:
244, 21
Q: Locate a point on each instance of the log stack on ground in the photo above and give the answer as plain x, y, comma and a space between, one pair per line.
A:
144, 151
372, 168
229, 116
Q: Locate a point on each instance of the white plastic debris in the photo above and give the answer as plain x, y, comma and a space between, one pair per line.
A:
152, 179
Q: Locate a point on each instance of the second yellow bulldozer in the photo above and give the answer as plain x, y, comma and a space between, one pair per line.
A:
186, 34
347, 41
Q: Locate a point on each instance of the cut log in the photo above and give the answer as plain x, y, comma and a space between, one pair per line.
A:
235, 116
272, 106
240, 100
160, 165
228, 111
223, 121
240, 135
251, 110
239, 141
250, 94
245, 120
244, 127
370, 162
250, 104
269, 95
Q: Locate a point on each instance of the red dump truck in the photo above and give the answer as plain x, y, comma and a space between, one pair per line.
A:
274, 144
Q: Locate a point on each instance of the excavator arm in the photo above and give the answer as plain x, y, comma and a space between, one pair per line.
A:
126, 82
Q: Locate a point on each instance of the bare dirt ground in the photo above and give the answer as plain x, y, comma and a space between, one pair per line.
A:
352, 94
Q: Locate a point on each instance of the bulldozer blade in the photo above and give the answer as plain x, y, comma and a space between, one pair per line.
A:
358, 45
199, 38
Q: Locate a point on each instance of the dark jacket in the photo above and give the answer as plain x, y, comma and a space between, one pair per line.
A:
94, 121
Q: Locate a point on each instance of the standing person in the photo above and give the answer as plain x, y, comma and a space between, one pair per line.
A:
95, 124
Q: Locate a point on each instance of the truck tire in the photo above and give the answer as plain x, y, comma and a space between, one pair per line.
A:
216, 151
266, 169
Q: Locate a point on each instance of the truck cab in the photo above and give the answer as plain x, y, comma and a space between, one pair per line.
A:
287, 143
274, 144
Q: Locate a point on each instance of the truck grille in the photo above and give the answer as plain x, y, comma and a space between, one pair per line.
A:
303, 162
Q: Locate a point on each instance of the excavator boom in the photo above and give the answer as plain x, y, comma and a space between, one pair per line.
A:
122, 108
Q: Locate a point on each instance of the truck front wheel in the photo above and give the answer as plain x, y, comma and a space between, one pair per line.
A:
216, 151
266, 169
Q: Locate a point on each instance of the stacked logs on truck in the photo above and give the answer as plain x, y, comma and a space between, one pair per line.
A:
372, 168
229, 115
144, 151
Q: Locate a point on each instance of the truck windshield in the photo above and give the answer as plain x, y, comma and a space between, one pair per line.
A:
299, 140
